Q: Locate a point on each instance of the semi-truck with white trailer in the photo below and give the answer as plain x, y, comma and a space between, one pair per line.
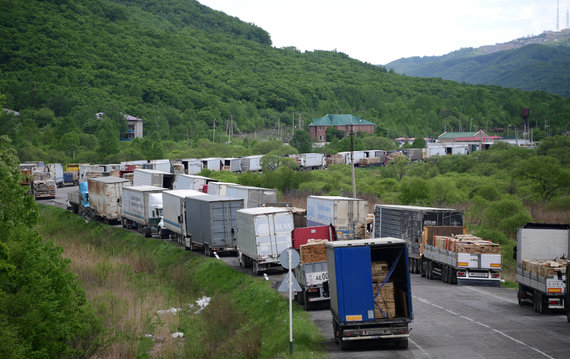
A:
211, 222
263, 233
542, 257
142, 208
408, 222
455, 257
193, 182
174, 219
347, 215
370, 291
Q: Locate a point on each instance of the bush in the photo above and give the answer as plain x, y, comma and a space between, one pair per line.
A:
506, 215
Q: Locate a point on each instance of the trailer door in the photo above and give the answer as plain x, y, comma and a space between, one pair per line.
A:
354, 284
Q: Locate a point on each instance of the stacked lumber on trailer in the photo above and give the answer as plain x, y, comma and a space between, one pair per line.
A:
335, 159
466, 243
313, 251
545, 268
369, 162
384, 303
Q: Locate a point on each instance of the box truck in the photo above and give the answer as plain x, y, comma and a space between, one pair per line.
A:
212, 163
542, 257
370, 292
211, 222
251, 163
263, 233
347, 215
142, 208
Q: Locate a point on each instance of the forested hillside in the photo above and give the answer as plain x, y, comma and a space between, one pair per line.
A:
534, 67
184, 68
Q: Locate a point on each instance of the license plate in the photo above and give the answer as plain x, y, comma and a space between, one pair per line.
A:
317, 278
478, 275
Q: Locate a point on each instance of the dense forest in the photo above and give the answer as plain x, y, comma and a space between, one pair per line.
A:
534, 67
186, 69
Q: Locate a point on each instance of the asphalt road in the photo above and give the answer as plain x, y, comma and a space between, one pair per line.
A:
450, 322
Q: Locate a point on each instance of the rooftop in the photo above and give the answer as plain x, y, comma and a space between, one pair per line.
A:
339, 120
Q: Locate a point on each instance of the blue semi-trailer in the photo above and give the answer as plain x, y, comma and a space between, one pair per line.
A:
370, 293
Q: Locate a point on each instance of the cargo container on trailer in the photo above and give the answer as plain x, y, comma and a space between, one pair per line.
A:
542, 257
370, 291
232, 164
263, 233
347, 215
251, 163
174, 215
142, 208
252, 196
146, 177
194, 182
105, 196
56, 170
211, 222
212, 163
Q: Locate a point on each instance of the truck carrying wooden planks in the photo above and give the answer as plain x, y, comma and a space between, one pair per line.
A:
455, 257
542, 255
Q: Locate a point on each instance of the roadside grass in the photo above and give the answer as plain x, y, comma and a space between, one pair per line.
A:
129, 279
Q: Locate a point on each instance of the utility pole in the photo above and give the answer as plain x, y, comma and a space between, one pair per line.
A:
214, 132
352, 161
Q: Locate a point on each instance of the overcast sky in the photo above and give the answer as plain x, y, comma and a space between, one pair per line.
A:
380, 31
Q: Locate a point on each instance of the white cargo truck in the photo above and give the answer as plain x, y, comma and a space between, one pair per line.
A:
311, 161
105, 197
173, 215
263, 233
145, 177
252, 196
193, 182
87, 171
219, 188
542, 257
345, 214
192, 166
142, 208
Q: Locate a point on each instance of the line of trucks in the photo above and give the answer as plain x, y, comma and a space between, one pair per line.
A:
364, 280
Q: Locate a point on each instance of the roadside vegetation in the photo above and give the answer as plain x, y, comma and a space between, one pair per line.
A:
145, 290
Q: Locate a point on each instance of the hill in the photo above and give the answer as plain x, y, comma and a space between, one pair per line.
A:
538, 63
184, 68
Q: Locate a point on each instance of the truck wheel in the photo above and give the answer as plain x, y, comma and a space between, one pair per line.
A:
301, 298
147, 232
519, 296
402, 343
306, 303
423, 269
452, 276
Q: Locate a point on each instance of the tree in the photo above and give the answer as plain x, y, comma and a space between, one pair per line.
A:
546, 175
43, 311
301, 141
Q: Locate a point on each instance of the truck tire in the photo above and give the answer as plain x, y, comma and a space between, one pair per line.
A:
147, 232
422, 269
452, 276
306, 303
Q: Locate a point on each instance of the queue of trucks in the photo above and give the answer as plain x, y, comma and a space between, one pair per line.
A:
363, 277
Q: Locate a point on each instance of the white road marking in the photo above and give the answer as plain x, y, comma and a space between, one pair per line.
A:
422, 349
483, 325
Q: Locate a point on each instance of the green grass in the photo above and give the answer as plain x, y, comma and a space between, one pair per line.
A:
128, 278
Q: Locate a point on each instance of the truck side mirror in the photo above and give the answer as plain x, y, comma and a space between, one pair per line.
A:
179, 219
